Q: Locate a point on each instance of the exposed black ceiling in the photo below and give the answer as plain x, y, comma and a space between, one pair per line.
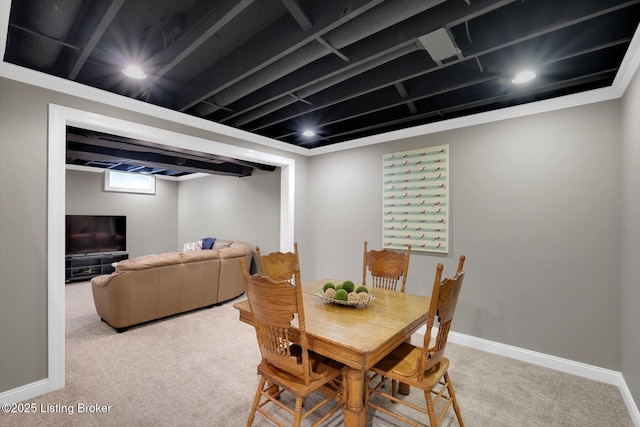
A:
349, 69
101, 150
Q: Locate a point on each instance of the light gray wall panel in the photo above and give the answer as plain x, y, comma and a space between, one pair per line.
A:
23, 237
630, 252
534, 208
231, 208
152, 219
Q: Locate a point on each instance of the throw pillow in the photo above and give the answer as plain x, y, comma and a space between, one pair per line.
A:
207, 242
192, 246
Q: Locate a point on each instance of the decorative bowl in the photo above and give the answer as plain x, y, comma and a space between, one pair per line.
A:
320, 293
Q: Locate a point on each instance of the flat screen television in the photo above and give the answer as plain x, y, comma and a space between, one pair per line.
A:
88, 234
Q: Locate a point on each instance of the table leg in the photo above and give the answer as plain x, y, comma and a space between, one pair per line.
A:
355, 413
273, 388
403, 388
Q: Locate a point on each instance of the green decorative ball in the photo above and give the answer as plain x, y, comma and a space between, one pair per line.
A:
338, 287
362, 289
348, 286
327, 286
342, 295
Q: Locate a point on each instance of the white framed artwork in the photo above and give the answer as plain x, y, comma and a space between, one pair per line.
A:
416, 200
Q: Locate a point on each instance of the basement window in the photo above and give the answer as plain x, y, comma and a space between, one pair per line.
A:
126, 182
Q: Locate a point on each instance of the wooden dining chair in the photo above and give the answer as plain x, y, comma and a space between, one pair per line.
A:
424, 368
286, 366
386, 268
279, 265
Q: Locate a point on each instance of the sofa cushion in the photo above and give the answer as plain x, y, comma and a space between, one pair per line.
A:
219, 244
195, 256
236, 249
149, 261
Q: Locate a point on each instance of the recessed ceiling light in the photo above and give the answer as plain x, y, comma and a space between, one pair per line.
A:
134, 72
308, 133
523, 77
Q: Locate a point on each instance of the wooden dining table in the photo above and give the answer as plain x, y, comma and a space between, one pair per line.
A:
356, 337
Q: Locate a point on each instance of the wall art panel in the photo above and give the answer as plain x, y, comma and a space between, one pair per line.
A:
416, 200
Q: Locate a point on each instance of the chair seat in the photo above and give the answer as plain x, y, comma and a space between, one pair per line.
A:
401, 364
323, 371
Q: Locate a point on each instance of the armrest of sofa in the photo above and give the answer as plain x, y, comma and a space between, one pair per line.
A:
104, 279
231, 281
109, 298
235, 250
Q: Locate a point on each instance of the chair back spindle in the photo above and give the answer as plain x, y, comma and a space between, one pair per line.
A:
386, 267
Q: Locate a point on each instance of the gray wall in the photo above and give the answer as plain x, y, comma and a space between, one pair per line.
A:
152, 220
23, 235
231, 208
535, 204
630, 235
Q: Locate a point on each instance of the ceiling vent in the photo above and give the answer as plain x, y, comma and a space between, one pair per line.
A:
440, 45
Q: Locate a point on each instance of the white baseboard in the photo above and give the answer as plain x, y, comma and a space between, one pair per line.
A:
564, 365
25, 392
559, 364
631, 404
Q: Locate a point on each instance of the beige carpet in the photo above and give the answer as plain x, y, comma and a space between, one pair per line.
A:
198, 369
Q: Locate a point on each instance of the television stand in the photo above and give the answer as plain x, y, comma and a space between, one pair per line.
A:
85, 267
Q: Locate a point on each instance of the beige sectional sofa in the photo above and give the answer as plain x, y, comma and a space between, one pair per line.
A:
151, 287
